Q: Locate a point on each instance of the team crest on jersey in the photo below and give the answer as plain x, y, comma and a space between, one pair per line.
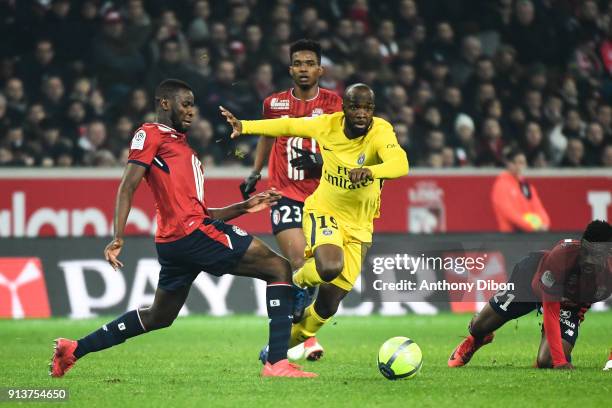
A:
138, 140
239, 231
276, 217
361, 159
278, 104
327, 232
317, 112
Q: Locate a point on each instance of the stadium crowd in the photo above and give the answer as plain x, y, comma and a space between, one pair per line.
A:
459, 80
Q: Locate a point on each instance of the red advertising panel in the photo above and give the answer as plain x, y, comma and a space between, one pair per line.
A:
417, 203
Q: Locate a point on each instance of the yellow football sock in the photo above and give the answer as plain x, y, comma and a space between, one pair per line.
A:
307, 275
308, 327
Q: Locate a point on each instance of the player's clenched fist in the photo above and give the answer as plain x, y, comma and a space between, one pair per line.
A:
361, 174
112, 251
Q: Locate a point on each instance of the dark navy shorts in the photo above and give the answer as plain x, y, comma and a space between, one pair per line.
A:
512, 304
286, 214
215, 248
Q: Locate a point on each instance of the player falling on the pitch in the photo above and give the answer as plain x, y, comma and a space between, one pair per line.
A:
359, 152
295, 163
563, 281
190, 238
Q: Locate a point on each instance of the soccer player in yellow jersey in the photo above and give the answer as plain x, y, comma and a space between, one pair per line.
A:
359, 152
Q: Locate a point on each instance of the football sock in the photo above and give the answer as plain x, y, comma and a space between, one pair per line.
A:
307, 275
111, 334
279, 301
610, 357
306, 328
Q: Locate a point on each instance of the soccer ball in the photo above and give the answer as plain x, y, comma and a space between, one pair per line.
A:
399, 357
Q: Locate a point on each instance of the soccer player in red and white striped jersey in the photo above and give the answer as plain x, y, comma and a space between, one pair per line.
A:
294, 164
190, 238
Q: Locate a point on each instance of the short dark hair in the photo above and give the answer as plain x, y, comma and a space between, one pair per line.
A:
598, 231
169, 87
510, 153
306, 45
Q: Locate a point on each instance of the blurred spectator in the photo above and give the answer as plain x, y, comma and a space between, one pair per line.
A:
343, 45
594, 144
444, 41
465, 145
122, 134
81, 89
234, 96
23, 153
170, 65
492, 144
52, 145
463, 66
53, 95
535, 145
198, 27
515, 201
34, 68
61, 28
262, 81
574, 154
201, 138
139, 104
388, 46
90, 142
118, 62
407, 17
16, 99
138, 26
75, 121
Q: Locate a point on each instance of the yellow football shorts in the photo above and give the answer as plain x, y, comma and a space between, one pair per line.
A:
322, 228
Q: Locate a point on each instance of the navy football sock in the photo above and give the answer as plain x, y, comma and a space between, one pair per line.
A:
113, 333
279, 300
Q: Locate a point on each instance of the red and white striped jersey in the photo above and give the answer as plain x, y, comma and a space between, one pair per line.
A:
290, 182
175, 176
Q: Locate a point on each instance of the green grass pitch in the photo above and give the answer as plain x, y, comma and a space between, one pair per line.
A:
208, 362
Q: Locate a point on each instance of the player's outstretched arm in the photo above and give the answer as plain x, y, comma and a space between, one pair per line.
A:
297, 127
256, 203
132, 176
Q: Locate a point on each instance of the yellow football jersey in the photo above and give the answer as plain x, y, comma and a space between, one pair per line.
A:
355, 205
